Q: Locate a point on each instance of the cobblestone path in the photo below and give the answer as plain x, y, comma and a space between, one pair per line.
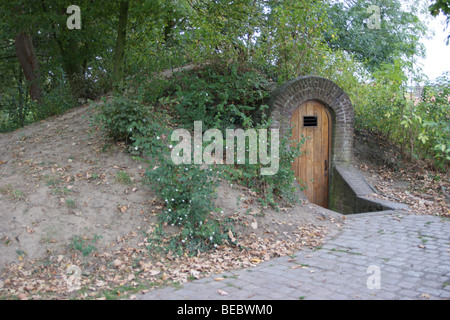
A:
375, 256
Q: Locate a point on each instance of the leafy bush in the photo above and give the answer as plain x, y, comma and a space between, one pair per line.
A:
54, 102
419, 126
130, 122
271, 188
188, 192
431, 115
214, 94
15, 113
17, 110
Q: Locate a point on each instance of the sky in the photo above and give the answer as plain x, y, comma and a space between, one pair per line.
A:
437, 52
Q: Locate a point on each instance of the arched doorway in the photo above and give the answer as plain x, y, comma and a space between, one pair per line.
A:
317, 99
312, 120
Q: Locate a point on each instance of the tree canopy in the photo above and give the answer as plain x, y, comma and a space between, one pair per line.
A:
41, 58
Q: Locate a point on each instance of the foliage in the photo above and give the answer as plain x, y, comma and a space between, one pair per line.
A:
433, 114
443, 6
397, 35
128, 121
293, 37
418, 125
188, 192
271, 189
217, 95
17, 110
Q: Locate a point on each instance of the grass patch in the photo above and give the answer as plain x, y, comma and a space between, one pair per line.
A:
13, 193
52, 181
83, 245
61, 191
123, 177
70, 203
122, 291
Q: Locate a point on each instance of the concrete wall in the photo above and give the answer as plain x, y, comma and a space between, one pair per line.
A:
350, 193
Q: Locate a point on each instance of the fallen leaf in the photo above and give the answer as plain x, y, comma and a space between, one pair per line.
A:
221, 292
299, 266
99, 283
230, 234
154, 272
22, 296
219, 279
117, 263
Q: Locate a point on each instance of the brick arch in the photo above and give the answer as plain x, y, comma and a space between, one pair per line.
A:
286, 98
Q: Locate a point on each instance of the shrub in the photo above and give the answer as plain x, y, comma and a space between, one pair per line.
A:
271, 188
130, 122
188, 192
15, 113
214, 94
17, 110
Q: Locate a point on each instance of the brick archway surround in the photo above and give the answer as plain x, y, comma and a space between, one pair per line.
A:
286, 98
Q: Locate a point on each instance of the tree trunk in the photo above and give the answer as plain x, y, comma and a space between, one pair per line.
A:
119, 53
28, 61
73, 68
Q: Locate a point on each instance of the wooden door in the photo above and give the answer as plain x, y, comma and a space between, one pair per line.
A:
313, 121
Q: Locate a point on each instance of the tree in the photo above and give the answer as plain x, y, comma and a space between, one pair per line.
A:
118, 61
28, 61
396, 37
25, 51
441, 6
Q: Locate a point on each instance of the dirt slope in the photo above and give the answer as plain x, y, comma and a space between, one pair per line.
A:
56, 184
